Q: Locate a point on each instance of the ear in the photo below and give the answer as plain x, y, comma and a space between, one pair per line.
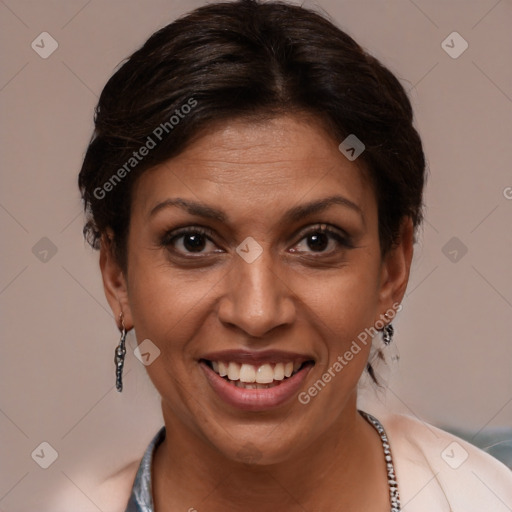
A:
114, 282
395, 269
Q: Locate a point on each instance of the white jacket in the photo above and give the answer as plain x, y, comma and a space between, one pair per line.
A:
437, 471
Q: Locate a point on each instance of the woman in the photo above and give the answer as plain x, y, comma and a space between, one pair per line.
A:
254, 185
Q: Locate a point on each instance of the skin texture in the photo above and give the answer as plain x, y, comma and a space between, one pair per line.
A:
294, 297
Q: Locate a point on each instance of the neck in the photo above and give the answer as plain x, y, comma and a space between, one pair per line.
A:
343, 469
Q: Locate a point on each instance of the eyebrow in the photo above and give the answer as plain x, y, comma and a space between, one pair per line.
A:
292, 215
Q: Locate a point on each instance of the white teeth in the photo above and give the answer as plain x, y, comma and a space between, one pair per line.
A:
223, 369
265, 374
233, 371
247, 373
279, 371
260, 375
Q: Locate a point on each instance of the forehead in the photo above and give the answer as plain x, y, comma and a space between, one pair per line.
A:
248, 163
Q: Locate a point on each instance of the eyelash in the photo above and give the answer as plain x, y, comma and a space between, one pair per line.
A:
171, 237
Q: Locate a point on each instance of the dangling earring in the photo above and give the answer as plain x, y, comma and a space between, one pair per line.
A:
120, 352
387, 334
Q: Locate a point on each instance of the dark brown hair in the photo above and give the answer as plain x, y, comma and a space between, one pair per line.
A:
241, 59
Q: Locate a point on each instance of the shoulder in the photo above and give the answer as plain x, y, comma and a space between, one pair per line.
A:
109, 494
114, 492
434, 467
135, 477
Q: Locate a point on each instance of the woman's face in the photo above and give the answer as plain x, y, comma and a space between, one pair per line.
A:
256, 249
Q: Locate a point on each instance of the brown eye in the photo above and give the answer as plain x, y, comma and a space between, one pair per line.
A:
321, 238
188, 241
194, 242
318, 241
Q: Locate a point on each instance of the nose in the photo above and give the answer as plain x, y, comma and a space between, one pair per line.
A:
257, 298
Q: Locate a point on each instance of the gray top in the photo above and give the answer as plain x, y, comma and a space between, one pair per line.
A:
141, 498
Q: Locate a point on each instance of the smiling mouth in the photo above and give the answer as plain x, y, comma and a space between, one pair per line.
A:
261, 376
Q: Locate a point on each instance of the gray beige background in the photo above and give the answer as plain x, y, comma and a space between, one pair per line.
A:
58, 334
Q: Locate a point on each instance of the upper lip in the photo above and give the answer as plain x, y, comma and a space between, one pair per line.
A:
257, 357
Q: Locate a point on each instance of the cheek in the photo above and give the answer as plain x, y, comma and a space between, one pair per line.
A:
164, 308
348, 300
161, 296
165, 311
345, 311
345, 314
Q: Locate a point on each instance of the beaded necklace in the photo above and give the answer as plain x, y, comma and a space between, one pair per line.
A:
393, 485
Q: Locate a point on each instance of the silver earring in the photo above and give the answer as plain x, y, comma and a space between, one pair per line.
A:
120, 352
387, 334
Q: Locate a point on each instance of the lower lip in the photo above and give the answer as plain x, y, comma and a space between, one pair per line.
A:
255, 399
